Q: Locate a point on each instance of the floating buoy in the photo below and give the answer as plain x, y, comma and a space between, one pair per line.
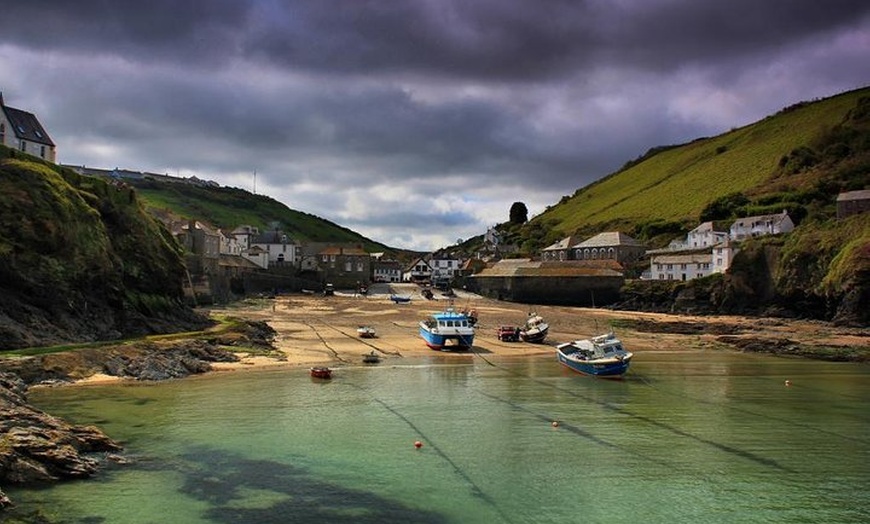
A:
788, 382
418, 444
555, 423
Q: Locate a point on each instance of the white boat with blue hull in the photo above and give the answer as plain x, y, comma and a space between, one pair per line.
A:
601, 356
448, 330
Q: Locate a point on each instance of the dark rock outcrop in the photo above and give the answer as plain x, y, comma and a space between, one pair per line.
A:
146, 361
38, 447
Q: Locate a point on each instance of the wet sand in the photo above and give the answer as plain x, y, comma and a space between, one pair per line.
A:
317, 330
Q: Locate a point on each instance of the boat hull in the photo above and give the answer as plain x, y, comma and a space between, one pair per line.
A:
534, 336
611, 367
365, 333
321, 373
446, 342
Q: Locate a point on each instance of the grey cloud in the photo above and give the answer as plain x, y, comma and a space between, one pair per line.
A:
474, 104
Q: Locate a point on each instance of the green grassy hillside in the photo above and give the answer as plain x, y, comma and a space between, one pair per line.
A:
676, 183
227, 208
81, 260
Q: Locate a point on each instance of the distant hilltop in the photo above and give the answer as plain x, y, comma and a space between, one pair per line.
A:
127, 174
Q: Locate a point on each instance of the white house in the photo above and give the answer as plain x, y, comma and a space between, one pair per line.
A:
244, 234
492, 237
681, 266
258, 256
444, 267
229, 245
280, 247
761, 225
21, 130
418, 271
722, 255
705, 235
387, 271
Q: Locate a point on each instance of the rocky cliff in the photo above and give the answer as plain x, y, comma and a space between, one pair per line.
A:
80, 260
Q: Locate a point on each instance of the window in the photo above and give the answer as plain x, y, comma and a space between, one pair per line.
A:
42, 151
23, 146
2, 133
359, 267
347, 265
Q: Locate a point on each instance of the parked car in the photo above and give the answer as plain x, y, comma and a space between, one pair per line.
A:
508, 333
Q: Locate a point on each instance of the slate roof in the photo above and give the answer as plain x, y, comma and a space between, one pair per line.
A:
747, 222
275, 236
26, 126
609, 239
694, 258
523, 267
861, 194
561, 245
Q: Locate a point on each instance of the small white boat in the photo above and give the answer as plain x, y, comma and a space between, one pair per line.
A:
601, 356
366, 332
535, 329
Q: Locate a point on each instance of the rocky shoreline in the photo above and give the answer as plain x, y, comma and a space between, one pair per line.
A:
36, 447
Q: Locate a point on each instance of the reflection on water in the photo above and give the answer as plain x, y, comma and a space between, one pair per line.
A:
686, 437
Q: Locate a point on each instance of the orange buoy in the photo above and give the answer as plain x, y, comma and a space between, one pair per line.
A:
418, 444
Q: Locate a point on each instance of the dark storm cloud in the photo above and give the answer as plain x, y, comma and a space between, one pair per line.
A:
417, 121
508, 39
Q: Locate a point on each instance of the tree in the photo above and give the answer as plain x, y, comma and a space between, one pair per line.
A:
519, 213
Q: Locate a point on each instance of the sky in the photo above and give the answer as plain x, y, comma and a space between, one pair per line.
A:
417, 123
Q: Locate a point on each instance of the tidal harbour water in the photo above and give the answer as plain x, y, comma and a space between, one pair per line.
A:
699, 436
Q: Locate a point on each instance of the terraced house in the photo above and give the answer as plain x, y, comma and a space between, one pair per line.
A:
21, 130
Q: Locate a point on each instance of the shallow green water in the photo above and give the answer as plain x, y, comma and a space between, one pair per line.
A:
698, 437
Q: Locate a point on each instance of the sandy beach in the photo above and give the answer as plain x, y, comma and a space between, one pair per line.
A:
318, 330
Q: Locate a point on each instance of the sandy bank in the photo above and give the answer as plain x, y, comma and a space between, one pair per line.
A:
322, 330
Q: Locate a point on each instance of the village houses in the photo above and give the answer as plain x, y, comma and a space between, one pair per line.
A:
280, 247
22, 130
387, 271
706, 251
611, 245
757, 226
561, 250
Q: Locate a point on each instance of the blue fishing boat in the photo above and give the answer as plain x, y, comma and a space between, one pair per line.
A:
448, 329
601, 356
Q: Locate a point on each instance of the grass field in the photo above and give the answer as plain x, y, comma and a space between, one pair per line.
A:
676, 184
